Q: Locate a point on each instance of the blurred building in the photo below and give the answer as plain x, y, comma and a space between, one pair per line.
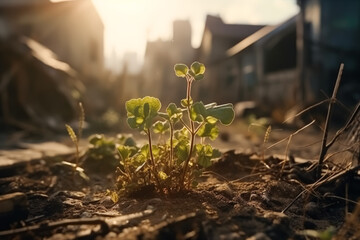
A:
159, 79
329, 34
260, 67
160, 57
73, 30
219, 83
293, 63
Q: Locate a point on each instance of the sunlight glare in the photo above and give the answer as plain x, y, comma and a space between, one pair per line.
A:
129, 23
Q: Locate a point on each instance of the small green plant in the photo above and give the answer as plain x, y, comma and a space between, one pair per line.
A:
171, 165
102, 153
76, 138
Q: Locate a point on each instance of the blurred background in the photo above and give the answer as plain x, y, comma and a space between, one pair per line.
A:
272, 56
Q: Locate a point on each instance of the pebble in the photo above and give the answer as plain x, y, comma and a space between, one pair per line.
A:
71, 202
277, 218
111, 235
313, 210
107, 202
259, 236
224, 190
85, 215
74, 194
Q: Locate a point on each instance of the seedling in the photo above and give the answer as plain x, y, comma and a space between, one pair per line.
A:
75, 139
174, 165
102, 154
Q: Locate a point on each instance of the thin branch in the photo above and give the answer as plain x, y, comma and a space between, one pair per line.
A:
307, 109
299, 130
324, 148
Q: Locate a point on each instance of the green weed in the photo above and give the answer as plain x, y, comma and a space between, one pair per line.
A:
174, 164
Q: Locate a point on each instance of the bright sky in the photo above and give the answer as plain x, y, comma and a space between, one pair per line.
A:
130, 23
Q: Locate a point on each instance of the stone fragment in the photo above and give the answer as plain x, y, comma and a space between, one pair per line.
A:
224, 190
313, 210
259, 236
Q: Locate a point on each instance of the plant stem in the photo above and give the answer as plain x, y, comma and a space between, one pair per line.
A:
324, 148
171, 144
77, 154
187, 160
154, 170
192, 131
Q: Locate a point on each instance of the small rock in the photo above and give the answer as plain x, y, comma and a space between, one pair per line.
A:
277, 217
154, 201
313, 210
259, 236
224, 190
13, 207
70, 202
74, 194
107, 202
111, 235
85, 215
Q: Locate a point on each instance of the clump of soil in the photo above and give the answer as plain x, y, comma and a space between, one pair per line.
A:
241, 196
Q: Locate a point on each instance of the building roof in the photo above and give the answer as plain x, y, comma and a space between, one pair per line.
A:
260, 34
219, 28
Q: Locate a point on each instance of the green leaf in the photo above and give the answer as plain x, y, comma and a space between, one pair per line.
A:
161, 127
216, 153
144, 151
198, 112
141, 111
94, 139
225, 113
185, 103
129, 141
181, 70
174, 112
208, 130
132, 123
197, 68
204, 154
181, 151
182, 135
156, 151
211, 120
124, 152
198, 77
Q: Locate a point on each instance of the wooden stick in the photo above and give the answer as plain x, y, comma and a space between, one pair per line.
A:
324, 148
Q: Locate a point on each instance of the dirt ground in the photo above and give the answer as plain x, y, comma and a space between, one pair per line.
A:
249, 193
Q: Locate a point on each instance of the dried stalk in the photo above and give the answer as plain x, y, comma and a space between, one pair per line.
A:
324, 148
